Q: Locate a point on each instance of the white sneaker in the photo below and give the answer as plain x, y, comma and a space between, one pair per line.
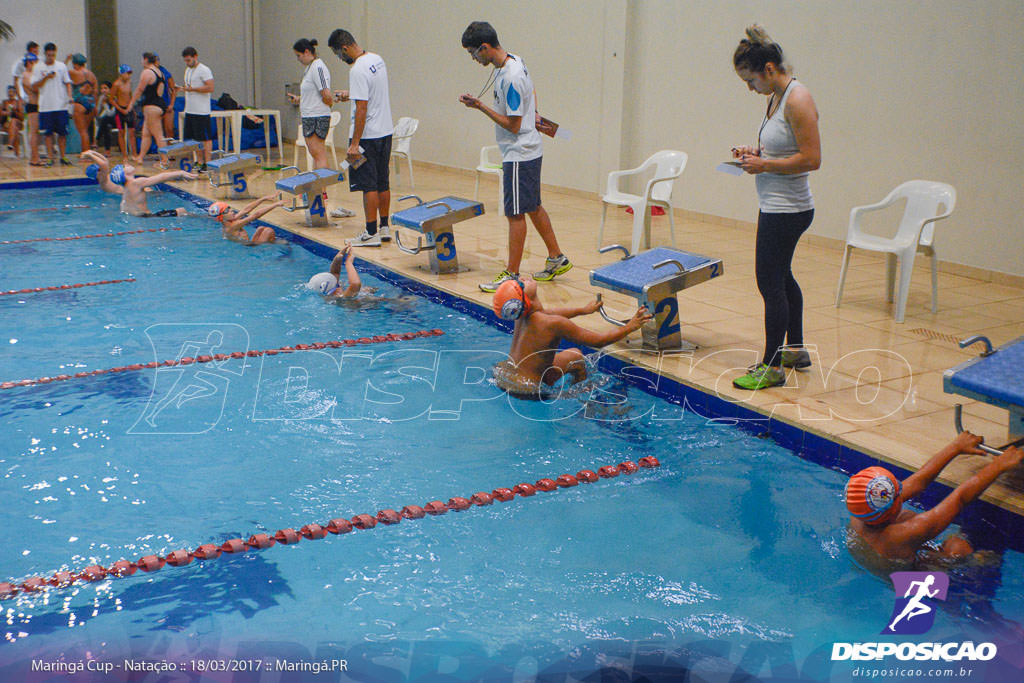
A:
385, 233
365, 240
342, 212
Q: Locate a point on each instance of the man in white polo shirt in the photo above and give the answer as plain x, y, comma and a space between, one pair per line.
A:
54, 86
371, 129
197, 88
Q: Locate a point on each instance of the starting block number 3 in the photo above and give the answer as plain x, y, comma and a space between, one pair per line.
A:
445, 242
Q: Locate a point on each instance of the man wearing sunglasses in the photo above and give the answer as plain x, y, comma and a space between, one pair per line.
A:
514, 114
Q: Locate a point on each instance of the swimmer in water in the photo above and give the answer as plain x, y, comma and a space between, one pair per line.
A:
884, 537
123, 181
539, 331
233, 221
352, 294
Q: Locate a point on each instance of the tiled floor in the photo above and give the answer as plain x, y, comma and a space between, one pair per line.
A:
875, 385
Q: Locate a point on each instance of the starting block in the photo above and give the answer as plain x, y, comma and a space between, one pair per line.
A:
434, 220
654, 277
185, 150
312, 186
227, 174
995, 378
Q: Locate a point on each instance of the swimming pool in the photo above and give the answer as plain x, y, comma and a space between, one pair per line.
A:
727, 559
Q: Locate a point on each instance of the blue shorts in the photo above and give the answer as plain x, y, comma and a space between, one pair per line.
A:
521, 186
54, 122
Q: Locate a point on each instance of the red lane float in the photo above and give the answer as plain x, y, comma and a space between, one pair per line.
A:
55, 288
86, 237
313, 531
188, 360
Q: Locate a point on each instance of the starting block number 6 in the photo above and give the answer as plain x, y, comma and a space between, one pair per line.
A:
238, 183
185, 165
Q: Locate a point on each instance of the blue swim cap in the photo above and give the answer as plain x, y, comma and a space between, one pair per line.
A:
124, 69
117, 175
29, 57
92, 170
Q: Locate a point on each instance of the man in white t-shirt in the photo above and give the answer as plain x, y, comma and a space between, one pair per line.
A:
54, 96
515, 118
19, 68
371, 128
197, 88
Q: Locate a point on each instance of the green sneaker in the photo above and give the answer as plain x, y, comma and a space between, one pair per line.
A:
552, 267
492, 286
796, 358
761, 376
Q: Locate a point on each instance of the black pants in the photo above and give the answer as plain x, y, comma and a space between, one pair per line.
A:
777, 236
106, 125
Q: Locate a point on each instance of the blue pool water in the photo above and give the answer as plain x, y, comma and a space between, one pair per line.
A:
729, 558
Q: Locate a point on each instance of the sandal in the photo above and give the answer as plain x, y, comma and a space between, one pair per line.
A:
37, 163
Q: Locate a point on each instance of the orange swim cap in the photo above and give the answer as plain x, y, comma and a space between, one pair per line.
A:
510, 300
218, 209
873, 495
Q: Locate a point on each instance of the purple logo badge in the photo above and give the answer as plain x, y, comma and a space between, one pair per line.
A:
914, 611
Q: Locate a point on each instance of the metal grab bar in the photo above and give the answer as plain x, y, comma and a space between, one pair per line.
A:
604, 313
958, 422
410, 196
671, 262
974, 340
419, 244
445, 205
612, 247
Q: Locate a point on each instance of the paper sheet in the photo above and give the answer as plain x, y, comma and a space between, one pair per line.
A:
730, 167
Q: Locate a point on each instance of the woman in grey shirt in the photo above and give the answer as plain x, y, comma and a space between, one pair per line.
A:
788, 148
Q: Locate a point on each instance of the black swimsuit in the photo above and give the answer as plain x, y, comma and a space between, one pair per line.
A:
150, 96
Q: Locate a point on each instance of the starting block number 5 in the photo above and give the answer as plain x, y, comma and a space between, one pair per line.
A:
670, 323
316, 207
238, 183
185, 165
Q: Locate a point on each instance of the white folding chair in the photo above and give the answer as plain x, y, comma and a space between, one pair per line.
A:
400, 143
668, 165
490, 162
915, 233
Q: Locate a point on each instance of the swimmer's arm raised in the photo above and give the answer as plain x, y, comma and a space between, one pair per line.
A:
919, 481
928, 525
165, 176
573, 332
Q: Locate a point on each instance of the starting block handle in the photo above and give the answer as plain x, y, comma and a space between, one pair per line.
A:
288, 168
604, 313
447, 206
410, 196
958, 423
670, 262
974, 340
612, 247
218, 152
407, 250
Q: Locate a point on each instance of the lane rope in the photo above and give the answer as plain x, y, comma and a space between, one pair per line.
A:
57, 288
86, 237
189, 360
315, 531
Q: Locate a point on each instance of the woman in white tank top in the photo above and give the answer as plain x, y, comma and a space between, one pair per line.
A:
788, 148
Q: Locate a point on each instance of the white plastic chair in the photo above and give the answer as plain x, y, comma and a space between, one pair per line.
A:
400, 142
490, 162
915, 233
668, 165
300, 141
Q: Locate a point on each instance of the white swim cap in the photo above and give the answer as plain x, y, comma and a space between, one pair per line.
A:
325, 283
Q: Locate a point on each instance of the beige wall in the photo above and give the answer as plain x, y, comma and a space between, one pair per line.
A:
906, 89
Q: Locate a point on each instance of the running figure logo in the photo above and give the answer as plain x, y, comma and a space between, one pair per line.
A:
914, 613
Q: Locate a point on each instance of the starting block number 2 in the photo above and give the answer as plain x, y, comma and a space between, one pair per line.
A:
670, 323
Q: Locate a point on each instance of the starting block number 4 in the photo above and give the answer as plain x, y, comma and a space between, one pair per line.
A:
316, 207
238, 182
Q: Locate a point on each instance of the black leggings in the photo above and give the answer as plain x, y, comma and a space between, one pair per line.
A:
777, 236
